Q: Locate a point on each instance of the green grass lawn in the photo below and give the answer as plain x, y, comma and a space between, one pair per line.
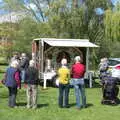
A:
48, 108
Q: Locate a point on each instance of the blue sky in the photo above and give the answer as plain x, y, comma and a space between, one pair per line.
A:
98, 11
114, 2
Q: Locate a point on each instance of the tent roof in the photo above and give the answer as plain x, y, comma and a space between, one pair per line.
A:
67, 42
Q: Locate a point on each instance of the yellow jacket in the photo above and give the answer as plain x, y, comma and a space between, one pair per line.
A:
64, 75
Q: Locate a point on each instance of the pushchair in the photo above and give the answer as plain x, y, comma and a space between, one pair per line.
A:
110, 90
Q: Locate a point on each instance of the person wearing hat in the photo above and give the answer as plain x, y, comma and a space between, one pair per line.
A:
64, 77
31, 80
77, 74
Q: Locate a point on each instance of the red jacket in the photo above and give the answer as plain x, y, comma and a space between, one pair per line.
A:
78, 70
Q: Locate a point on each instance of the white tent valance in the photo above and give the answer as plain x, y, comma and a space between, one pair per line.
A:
68, 42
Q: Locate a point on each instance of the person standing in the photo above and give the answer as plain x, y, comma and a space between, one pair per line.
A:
12, 81
15, 57
64, 77
77, 73
24, 63
32, 82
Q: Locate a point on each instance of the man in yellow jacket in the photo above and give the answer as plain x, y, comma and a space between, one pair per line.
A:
64, 77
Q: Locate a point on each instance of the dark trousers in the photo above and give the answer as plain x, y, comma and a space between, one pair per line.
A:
12, 96
63, 95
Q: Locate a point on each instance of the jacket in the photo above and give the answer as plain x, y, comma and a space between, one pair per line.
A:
12, 77
31, 76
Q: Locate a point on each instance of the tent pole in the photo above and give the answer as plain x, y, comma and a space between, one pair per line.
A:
87, 61
87, 67
42, 56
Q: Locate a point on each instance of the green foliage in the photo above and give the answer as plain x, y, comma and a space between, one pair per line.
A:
112, 25
60, 20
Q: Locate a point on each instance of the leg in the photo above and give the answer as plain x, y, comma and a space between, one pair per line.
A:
60, 95
28, 96
13, 96
66, 95
82, 90
10, 94
77, 94
34, 96
23, 75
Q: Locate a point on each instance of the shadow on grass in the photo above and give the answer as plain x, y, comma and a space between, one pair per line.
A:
87, 106
38, 105
42, 105
21, 104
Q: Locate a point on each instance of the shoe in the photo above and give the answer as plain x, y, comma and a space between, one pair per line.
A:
67, 106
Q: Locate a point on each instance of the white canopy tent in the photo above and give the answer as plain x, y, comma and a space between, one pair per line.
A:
53, 42
67, 42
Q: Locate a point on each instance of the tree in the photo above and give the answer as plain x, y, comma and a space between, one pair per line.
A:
58, 18
112, 30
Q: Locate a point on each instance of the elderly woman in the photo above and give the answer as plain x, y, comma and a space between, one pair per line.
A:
12, 81
77, 73
64, 76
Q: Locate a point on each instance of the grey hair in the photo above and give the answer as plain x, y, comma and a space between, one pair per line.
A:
32, 63
14, 63
64, 61
77, 59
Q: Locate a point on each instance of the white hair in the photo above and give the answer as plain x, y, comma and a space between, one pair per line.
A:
64, 61
32, 63
23, 54
77, 59
14, 63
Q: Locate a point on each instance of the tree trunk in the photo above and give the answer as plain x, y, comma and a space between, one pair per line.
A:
75, 3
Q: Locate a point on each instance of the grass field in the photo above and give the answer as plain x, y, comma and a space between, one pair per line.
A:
48, 108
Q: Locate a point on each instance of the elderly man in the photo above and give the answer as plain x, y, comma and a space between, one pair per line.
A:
77, 72
32, 82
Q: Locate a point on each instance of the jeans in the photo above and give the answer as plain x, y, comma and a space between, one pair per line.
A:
31, 96
12, 96
63, 95
23, 75
79, 92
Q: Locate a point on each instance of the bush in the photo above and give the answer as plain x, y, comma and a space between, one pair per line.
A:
3, 61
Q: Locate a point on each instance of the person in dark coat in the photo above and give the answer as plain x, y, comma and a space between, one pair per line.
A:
24, 63
12, 81
31, 79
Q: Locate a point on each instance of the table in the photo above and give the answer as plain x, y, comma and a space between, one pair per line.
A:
48, 75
